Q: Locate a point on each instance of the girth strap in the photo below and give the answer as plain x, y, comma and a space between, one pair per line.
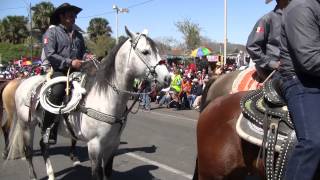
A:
110, 119
282, 159
69, 127
271, 143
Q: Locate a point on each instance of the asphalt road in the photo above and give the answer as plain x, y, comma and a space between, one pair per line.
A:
160, 144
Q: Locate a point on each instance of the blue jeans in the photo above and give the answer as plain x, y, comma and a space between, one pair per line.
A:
146, 100
191, 99
165, 99
304, 105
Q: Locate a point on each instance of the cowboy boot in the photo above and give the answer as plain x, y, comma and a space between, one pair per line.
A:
48, 123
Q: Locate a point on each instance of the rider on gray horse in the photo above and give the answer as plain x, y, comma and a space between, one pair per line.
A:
64, 48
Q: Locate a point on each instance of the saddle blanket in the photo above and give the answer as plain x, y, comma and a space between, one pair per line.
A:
254, 134
245, 81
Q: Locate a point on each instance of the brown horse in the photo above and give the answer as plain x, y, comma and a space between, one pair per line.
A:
218, 86
222, 154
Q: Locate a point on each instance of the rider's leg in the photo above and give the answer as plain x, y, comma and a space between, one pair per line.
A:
56, 97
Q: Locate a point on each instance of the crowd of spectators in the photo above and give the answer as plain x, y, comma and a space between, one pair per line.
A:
13, 71
185, 91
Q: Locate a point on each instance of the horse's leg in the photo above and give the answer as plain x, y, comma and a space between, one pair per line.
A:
108, 156
44, 149
108, 167
95, 158
28, 136
6, 142
73, 153
195, 173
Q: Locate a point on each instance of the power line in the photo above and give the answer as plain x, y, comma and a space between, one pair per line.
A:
139, 4
12, 8
111, 12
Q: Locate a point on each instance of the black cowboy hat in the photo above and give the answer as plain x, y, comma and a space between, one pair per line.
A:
54, 18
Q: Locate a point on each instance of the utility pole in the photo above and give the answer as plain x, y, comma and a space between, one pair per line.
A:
118, 10
225, 34
31, 43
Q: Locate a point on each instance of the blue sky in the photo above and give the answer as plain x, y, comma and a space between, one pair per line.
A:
159, 16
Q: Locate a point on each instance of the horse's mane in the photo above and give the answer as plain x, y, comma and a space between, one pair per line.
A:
107, 68
203, 102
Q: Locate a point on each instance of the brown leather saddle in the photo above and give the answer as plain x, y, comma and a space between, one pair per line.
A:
266, 122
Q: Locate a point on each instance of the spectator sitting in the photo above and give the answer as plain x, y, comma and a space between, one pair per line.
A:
193, 93
183, 96
165, 97
175, 85
199, 91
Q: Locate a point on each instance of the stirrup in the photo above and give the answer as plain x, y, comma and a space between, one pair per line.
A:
45, 136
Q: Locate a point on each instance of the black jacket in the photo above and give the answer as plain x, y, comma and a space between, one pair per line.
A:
60, 49
300, 39
264, 41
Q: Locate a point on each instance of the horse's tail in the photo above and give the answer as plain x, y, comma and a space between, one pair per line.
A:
8, 101
16, 142
204, 101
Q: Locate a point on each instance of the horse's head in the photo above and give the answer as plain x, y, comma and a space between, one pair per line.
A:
145, 58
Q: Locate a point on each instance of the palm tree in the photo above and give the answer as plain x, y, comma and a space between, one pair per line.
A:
41, 15
15, 29
2, 32
98, 27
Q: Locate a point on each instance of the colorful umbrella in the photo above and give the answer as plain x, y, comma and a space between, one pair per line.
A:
199, 52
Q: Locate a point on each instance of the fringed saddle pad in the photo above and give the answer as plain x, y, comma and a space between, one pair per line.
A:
245, 81
266, 122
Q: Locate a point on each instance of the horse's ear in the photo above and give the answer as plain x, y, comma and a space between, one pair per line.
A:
129, 33
145, 32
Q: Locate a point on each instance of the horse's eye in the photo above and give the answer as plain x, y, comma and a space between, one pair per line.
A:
145, 52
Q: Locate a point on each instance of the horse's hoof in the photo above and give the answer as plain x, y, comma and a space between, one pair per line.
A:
5, 155
75, 160
76, 163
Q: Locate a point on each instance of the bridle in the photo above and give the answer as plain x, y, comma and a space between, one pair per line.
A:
151, 69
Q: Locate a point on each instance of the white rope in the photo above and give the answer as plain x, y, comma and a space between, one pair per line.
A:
77, 93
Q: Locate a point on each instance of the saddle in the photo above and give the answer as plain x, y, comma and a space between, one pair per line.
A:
265, 121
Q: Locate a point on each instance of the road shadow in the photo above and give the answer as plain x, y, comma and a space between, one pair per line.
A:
84, 173
150, 149
82, 151
141, 172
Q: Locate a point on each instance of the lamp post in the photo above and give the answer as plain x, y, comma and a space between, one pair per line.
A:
225, 34
118, 10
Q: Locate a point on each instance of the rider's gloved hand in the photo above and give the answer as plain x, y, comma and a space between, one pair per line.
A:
76, 64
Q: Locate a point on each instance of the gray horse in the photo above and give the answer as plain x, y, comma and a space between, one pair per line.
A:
102, 116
